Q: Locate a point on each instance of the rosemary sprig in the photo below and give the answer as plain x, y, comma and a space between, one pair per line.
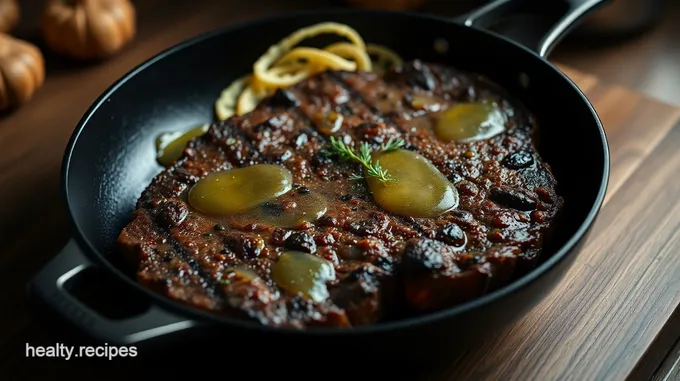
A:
392, 144
346, 152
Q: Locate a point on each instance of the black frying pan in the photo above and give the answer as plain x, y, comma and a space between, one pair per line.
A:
111, 159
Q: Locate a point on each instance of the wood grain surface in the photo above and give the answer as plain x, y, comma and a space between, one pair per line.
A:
607, 320
603, 318
646, 62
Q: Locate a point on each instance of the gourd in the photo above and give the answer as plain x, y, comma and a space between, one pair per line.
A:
9, 15
88, 29
22, 71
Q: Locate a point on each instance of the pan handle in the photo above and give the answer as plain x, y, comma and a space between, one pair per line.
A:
517, 20
49, 287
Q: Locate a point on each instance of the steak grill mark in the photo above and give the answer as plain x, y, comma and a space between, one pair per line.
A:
451, 259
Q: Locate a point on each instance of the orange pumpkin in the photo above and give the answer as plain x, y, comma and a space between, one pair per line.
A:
9, 15
88, 29
395, 5
22, 71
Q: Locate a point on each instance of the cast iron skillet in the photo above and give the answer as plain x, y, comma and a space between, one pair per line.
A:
110, 160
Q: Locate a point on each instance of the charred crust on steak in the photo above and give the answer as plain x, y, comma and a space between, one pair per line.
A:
172, 213
385, 265
300, 241
283, 98
512, 198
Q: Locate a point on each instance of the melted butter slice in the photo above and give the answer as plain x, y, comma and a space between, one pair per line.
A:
170, 145
418, 189
467, 122
305, 274
237, 190
291, 212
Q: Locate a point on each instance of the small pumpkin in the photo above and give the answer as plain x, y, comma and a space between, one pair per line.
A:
396, 5
88, 29
9, 15
22, 71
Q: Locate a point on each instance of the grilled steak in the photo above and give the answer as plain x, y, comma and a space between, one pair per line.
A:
385, 265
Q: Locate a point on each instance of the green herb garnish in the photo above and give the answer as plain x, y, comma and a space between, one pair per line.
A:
346, 152
392, 144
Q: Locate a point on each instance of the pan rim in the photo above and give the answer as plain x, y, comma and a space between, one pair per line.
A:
429, 318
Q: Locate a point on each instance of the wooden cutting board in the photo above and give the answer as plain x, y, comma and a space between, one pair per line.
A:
612, 316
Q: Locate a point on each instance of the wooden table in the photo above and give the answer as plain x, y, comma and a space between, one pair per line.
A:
613, 316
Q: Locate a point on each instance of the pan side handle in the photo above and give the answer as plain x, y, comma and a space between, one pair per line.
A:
537, 24
49, 287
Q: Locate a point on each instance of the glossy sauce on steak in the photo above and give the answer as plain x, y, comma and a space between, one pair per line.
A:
382, 266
